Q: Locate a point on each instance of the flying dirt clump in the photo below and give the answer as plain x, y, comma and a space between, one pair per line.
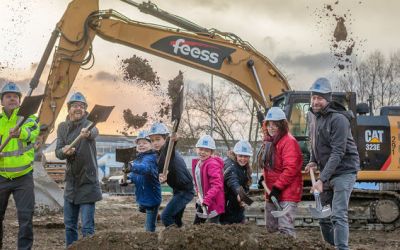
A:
340, 33
138, 70
174, 86
134, 121
342, 41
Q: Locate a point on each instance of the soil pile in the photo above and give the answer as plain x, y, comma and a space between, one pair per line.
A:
206, 236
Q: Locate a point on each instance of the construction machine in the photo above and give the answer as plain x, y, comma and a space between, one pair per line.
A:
226, 55
212, 51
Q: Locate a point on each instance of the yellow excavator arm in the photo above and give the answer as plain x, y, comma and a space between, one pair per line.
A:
218, 53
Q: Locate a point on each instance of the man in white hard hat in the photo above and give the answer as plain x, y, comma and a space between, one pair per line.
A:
334, 152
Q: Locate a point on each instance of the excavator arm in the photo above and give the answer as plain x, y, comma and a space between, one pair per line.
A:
218, 53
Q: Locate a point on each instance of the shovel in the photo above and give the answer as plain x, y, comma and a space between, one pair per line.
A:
202, 211
29, 106
177, 108
244, 197
279, 210
125, 155
318, 212
98, 114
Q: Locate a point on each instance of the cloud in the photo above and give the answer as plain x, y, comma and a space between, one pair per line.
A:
105, 76
318, 61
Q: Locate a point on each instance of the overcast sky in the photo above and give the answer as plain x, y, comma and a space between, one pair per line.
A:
295, 34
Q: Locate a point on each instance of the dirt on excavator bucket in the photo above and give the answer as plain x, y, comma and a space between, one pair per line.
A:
49, 198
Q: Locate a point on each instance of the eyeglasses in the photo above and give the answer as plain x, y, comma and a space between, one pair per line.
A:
271, 125
78, 105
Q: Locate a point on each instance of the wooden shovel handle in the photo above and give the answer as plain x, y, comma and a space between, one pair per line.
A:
312, 176
20, 121
78, 138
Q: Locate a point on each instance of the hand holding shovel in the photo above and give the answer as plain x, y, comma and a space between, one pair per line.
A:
98, 114
29, 106
279, 210
318, 212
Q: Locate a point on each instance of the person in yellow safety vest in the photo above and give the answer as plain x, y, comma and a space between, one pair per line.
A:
16, 164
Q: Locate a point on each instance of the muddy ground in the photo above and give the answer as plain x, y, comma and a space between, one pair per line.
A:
119, 225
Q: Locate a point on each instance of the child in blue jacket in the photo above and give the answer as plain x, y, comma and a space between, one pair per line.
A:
144, 174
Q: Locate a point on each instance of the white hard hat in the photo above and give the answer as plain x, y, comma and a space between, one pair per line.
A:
142, 135
275, 114
243, 147
206, 141
321, 85
158, 128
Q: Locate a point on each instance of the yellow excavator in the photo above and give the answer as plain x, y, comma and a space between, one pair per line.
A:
226, 55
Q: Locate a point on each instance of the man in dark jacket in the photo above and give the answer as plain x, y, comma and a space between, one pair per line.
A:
178, 177
82, 188
335, 153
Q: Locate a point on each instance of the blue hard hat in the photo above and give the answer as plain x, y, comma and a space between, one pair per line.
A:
158, 128
321, 85
243, 147
77, 97
142, 135
206, 141
10, 87
275, 114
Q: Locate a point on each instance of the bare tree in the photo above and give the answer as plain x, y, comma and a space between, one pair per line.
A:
376, 76
231, 115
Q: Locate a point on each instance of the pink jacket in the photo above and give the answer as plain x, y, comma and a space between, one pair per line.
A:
212, 180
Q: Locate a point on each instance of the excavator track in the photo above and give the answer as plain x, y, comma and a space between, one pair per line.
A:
368, 210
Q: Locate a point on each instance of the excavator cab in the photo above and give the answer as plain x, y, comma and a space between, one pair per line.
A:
296, 105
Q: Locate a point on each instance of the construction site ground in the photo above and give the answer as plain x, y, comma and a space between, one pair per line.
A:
119, 225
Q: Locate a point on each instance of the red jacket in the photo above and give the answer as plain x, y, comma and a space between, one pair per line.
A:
286, 172
212, 182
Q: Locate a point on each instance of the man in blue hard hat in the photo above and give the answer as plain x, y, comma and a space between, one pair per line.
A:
82, 187
334, 152
16, 164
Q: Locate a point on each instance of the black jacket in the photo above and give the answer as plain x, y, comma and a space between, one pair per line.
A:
179, 177
235, 176
81, 177
334, 150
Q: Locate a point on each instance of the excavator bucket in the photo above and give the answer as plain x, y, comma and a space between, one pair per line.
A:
48, 196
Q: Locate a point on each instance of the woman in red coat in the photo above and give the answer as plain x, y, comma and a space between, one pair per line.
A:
282, 161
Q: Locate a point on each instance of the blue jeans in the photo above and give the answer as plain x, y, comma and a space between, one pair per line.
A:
151, 218
71, 215
335, 230
173, 212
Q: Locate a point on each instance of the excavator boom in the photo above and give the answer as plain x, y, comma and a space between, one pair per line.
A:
218, 53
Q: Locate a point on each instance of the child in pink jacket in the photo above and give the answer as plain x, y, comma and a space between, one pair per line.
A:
209, 182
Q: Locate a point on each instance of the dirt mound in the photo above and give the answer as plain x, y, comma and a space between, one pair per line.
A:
206, 236
117, 240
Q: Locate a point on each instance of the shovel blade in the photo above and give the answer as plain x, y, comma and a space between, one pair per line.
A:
30, 105
100, 113
125, 155
280, 213
320, 214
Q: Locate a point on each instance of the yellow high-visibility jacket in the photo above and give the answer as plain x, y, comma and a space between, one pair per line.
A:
17, 157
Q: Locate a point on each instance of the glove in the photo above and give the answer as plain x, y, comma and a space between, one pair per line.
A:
275, 192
